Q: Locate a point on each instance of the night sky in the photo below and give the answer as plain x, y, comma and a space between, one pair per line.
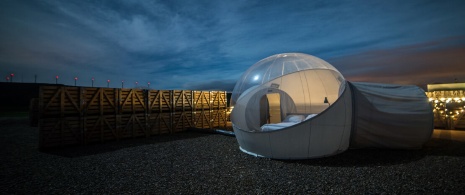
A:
207, 45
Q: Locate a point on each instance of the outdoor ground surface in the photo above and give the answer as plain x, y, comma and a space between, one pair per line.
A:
195, 163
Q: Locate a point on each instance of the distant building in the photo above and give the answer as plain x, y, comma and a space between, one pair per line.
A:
446, 87
448, 102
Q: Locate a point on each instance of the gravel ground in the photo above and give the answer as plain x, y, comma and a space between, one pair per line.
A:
193, 163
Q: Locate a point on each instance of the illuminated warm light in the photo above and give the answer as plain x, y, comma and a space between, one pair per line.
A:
108, 80
442, 99
75, 78
56, 77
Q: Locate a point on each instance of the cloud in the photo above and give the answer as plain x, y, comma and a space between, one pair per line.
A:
176, 43
436, 61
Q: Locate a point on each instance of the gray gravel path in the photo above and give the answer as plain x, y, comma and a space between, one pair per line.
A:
195, 163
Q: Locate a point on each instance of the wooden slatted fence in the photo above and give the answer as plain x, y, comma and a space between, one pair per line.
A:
81, 115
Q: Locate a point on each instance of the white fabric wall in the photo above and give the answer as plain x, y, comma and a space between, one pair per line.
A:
324, 135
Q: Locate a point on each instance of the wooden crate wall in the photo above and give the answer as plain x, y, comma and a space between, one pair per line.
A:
80, 115
132, 101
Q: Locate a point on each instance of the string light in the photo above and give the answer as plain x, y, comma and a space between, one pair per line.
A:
448, 108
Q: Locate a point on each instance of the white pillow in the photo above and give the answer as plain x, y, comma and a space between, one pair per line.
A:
294, 118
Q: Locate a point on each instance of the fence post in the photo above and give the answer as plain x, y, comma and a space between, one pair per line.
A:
82, 114
172, 110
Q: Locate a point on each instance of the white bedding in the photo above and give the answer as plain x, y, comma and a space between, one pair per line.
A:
289, 121
276, 126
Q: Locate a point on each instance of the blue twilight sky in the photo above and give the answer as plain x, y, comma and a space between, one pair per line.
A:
209, 44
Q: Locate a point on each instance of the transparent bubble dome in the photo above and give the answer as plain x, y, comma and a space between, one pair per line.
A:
279, 65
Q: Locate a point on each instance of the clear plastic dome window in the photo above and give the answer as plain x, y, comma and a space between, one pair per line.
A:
276, 66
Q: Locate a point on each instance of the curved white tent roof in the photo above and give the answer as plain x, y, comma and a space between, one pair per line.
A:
297, 106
